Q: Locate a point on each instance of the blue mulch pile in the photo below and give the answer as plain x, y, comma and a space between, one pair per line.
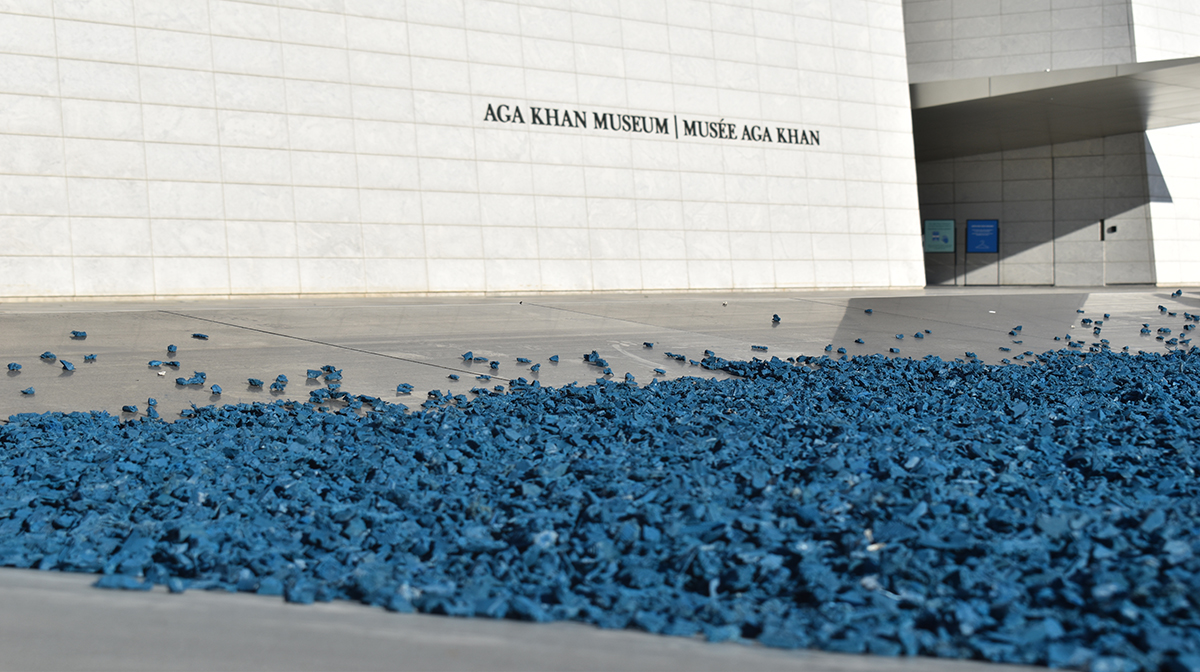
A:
1044, 514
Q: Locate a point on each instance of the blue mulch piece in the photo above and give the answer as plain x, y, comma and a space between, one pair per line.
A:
1043, 514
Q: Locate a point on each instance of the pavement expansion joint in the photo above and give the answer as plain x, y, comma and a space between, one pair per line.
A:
327, 344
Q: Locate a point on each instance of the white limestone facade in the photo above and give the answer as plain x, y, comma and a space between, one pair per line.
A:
221, 148
961, 39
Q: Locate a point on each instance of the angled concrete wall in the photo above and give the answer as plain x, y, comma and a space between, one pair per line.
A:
1116, 210
209, 147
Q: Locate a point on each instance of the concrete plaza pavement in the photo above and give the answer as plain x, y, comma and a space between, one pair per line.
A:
380, 342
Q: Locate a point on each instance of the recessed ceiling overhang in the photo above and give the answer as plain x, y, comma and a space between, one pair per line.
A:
990, 114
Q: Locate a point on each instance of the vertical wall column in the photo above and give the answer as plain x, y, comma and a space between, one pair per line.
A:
1174, 170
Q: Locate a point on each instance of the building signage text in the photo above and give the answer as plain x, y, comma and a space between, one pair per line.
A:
671, 126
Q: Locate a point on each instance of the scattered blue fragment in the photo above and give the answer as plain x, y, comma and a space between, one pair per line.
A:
468, 356
629, 377
282, 379
13, 366
122, 582
89, 358
494, 366
829, 348
129, 409
483, 376
859, 341
841, 351
216, 389
172, 364
154, 363
453, 376
171, 349
198, 378
554, 358
900, 337
647, 344
404, 388
254, 382
27, 391
918, 335
202, 337
759, 347
48, 356
661, 372
79, 335
775, 318
278, 386
67, 366
313, 374
523, 360
151, 402
535, 368
893, 349
868, 311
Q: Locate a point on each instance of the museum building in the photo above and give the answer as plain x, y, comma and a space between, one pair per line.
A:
176, 148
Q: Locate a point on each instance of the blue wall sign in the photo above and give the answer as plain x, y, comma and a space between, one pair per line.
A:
983, 236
